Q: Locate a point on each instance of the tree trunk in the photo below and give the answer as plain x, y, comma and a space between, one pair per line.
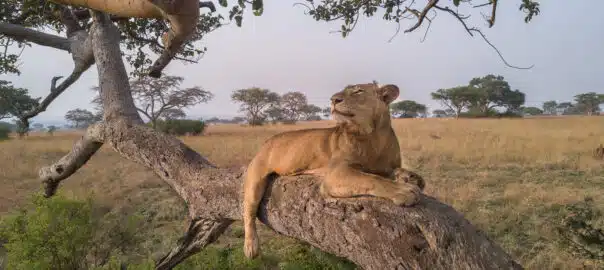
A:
371, 232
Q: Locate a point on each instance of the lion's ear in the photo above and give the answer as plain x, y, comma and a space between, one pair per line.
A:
388, 93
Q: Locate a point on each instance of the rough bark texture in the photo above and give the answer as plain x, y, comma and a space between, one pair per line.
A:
373, 233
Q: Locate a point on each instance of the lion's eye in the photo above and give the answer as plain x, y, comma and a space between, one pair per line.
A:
358, 91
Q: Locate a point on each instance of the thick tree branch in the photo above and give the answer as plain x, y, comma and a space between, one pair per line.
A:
23, 33
373, 233
81, 152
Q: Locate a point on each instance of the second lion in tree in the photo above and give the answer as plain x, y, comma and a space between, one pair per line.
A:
358, 156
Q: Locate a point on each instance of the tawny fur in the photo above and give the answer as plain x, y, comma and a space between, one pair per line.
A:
182, 15
359, 156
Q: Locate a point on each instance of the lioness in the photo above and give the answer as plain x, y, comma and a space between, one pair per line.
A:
358, 156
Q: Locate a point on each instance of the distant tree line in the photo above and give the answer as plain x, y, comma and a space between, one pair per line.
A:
262, 105
483, 96
162, 101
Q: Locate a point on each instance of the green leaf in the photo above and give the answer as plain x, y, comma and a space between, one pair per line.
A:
238, 20
456, 3
223, 3
257, 7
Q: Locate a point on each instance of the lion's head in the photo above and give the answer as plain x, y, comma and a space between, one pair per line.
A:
364, 107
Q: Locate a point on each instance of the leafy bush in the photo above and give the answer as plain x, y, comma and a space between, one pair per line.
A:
181, 127
581, 231
61, 233
56, 234
4, 132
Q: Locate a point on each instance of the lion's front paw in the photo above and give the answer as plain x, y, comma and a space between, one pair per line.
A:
406, 194
251, 246
406, 176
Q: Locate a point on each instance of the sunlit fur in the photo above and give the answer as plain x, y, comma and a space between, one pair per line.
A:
356, 157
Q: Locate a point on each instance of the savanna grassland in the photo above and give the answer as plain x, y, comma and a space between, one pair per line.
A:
510, 177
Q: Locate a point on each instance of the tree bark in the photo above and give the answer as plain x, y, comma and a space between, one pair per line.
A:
371, 232
23, 33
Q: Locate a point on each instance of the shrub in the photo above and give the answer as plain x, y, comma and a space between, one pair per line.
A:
56, 234
581, 231
4, 132
181, 127
61, 233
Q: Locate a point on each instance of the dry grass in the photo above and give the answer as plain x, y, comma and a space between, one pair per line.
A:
507, 176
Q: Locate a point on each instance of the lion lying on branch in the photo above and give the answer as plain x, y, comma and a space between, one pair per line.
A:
359, 156
182, 15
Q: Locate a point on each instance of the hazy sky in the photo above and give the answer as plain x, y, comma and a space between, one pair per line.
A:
284, 50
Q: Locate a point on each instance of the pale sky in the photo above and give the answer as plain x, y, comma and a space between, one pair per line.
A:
284, 50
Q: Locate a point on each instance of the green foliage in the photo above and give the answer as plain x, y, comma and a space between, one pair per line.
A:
80, 118
549, 107
296, 256
589, 102
439, 113
5, 131
15, 102
56, 234
255, 102
180, 127
349, 11
531, 110
139, 35
455, 99
51, 130
581, 231
62, 233
408, 109
262, 104
481, 96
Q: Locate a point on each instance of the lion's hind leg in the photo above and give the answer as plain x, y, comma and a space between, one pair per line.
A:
343, 181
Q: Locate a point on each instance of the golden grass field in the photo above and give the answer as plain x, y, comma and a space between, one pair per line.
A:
507, 176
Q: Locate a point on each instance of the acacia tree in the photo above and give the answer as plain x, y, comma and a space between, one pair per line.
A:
408, 109
162, 97
292, 105
455, 99
531, 110
80, 118
549, 107
378, 234
16, 102
590, 102
310, 112
255, 102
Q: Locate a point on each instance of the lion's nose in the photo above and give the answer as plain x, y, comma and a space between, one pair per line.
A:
336, 100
